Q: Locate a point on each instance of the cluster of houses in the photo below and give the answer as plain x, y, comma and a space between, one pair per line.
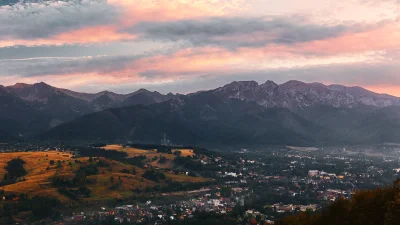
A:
159, 213
324, 175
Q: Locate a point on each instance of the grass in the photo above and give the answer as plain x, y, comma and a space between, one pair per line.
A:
38, 179
184, 178
185, 152
150, 154
132, 152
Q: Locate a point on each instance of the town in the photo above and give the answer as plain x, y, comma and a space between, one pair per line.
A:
252, 186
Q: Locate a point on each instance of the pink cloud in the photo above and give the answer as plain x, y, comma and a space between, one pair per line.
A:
131, 12
134, 11
98, 34
88, 35
382, 38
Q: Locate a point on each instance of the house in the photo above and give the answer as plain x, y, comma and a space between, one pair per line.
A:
313, 173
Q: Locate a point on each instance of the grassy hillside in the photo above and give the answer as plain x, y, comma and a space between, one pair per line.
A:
153, 155
104, 178
372, 207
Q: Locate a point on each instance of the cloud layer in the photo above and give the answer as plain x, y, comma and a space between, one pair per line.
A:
37, 21
187, 45
241, 32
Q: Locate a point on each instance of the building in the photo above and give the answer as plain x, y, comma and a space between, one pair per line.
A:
313, 173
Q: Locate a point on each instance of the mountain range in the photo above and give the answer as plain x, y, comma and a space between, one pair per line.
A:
239, 113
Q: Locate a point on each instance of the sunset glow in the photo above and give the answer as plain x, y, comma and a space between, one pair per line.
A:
355, 43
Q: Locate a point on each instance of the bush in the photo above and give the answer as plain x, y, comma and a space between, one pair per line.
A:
178, 153
42, 207
87, 170
136, 161
162, 160
154, 175
125, 171
99, 152
188, 163
102, 163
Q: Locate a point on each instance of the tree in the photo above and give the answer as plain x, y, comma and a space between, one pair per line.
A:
51, 162
162, 160
42, 207
15, 168
112, 179
154, 175
148, 189
226, 192
258, 218
124, 171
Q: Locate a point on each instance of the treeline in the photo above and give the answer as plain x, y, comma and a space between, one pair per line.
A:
154, 175
173, 186
136, 160
75, 193
99, 152
36, 208
168, 149
369, 207
188, 163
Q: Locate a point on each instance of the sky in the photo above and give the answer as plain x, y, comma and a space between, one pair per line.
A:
182, 46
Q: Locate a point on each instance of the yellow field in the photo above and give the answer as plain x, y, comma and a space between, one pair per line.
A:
38, 179
132, 152
185, 152
184, 178
150, 154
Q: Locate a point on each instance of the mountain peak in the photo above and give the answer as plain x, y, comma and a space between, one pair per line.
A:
250, 83
317, 85
42, 85
293, 84
241, 85
269, 84
106, 92
20, 85
2, 89
141, 90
